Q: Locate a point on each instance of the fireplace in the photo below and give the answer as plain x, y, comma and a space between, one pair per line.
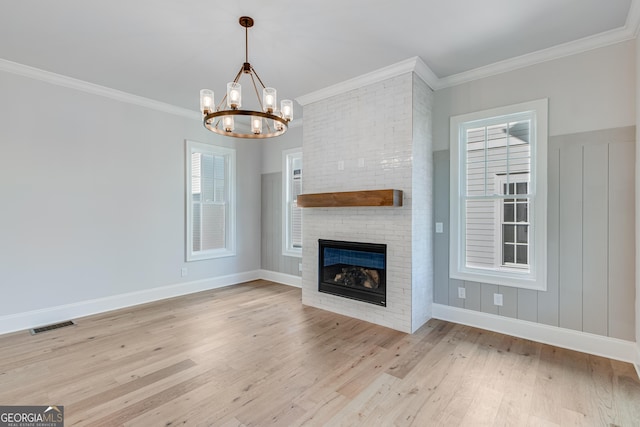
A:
353, 270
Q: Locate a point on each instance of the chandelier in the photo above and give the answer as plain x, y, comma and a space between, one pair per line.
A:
227, 118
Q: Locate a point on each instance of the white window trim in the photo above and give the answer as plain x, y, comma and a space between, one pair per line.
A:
230, 225
287, 249
536, 279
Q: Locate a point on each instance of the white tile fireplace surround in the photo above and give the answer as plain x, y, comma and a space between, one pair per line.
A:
372, 137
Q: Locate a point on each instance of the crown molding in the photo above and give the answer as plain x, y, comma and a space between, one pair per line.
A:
425, 73
414, 64
628, 32
94, 89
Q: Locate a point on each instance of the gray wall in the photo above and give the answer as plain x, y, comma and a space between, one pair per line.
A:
271, 242
586, 94
272, 149
271, 211
591, 252
93, 194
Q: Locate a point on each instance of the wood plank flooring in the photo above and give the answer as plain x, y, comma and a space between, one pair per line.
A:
252, 355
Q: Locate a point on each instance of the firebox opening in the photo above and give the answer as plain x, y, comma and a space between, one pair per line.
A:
353, 270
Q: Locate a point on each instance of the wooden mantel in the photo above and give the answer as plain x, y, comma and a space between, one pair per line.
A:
351, 199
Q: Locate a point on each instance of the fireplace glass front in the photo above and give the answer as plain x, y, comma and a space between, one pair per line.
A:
353, 270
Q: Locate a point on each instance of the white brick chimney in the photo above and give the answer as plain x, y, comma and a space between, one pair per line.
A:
367, 134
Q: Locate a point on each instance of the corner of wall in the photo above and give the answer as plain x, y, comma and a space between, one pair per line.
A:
422, 203
637, 181
637, 364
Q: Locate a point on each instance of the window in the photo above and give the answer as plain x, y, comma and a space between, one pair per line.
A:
292, 218
499, 196
514, 221
210, 201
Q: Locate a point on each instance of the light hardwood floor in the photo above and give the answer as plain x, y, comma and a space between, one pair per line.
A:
251, 354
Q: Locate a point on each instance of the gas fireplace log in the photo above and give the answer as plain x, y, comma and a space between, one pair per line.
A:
358, 276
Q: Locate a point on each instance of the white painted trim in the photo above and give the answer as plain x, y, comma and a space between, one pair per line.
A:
556, 52
285, 279
423, 71
286, 216
94, 89
414, 64
36, 318
229, 154
535, 279
598, 345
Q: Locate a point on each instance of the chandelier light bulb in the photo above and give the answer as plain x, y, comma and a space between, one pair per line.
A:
287, 109
234, 95
256, 125
206, 101
269, 99
228, 124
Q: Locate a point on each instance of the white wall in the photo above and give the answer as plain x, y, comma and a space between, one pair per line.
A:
92, 194
588, 91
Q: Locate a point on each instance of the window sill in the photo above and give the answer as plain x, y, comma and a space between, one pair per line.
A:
210, 255
292, 254
501, 278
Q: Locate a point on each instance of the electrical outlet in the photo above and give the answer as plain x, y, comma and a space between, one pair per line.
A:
439, 227
497, 299
184, 271
300, 266
462, 293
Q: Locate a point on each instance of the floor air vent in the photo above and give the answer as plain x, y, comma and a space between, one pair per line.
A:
42, 329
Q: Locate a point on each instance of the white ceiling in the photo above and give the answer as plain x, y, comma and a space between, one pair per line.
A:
167, 50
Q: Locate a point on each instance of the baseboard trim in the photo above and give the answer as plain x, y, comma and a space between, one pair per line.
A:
597, 345
637, 364
285, 279
36, 318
